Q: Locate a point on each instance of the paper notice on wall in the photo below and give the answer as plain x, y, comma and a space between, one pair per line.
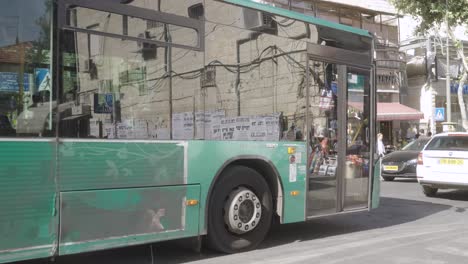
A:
258, 131
242, 128
228, 127
141, 129
125, 129
272, 128
188, 125
182, 126
213, 125
177, 125
293, 172
200, 128
157, 129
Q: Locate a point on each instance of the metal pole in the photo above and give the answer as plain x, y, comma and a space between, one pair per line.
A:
447, 75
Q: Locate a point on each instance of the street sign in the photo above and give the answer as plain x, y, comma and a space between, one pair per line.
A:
439, 114
9, 82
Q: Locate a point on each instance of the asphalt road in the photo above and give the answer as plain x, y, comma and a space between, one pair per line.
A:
407, 228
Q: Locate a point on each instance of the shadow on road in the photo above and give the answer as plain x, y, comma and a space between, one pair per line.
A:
392, 211
456, 195
404, 180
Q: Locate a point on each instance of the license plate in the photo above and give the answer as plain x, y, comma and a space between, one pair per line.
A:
451, 162
390, 168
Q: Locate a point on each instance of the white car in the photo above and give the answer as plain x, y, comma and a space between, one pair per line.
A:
443, 163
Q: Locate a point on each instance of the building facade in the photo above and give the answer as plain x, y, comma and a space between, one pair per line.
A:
427, 84
395, 116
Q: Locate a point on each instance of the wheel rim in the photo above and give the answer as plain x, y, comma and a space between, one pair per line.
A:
243, 211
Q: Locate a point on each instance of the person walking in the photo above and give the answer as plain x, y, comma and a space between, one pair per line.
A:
380, 145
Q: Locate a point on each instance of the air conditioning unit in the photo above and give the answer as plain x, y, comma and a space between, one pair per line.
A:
149, 51
258, 21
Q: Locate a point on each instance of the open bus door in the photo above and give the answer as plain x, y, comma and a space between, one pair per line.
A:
339, 133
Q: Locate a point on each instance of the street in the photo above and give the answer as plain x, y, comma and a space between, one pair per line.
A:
407, 228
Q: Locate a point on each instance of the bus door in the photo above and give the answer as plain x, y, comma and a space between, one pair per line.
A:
339, 137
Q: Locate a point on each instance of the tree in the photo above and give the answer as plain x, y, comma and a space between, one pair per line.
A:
433, 14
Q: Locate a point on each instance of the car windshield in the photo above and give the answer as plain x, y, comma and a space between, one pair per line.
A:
449, 143
416, 145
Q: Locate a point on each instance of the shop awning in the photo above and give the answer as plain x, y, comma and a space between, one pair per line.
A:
393, 111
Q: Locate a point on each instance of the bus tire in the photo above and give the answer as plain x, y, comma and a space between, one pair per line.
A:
240, 211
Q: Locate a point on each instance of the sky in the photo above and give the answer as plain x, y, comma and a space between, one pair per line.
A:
408, 25
18, 18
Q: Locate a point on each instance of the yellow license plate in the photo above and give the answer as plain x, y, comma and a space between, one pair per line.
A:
390, 168
451, 162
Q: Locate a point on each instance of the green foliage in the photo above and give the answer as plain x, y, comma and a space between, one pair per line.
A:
433, 12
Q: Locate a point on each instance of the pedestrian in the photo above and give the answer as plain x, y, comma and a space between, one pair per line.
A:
380, 145
429, 134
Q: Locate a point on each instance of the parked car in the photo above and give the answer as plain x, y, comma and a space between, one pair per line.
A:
402, 163
443, 163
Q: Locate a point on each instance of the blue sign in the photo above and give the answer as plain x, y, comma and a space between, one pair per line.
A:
103, 103
439, 114
42, 79
9, 82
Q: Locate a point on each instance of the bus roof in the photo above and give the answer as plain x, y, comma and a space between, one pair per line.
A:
298, 16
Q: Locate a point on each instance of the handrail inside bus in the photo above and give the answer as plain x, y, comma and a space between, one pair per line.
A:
298, 16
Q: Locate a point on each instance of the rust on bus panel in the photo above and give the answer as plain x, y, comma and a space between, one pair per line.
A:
105, 216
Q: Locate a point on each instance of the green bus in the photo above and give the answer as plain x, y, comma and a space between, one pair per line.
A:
126, 122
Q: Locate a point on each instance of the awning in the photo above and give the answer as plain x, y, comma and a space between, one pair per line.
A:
392, 111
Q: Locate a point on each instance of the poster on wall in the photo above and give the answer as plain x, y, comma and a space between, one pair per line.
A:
103, 103
182, 126
258, 128
200, 122
158, 129
272, 126
140, 129
214, 125
228, 127
125, 129
242, 128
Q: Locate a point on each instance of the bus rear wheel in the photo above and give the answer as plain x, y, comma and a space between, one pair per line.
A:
240, 210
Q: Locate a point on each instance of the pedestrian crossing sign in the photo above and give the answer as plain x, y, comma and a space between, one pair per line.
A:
439, 114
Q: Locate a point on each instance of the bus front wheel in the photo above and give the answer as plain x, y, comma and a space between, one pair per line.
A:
240, 210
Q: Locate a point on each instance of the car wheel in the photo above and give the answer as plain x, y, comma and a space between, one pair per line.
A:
388, 178
429, 191
240, 211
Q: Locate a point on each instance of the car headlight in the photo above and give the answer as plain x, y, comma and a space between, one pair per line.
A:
412, 162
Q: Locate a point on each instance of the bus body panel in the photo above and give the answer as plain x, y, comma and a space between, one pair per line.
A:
375, 191
28, 224
102, 219
93, 164
207, 158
